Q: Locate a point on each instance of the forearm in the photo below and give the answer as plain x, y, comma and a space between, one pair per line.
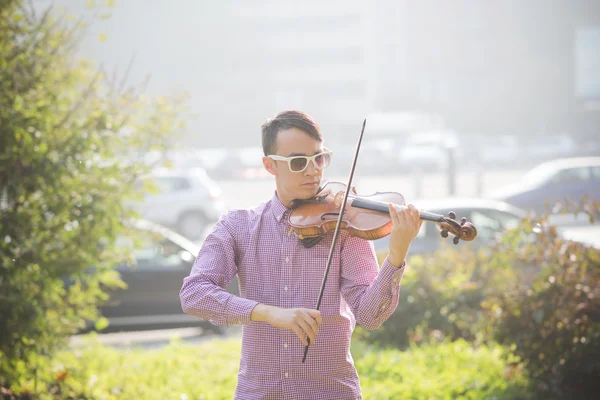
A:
379, 301
201, 298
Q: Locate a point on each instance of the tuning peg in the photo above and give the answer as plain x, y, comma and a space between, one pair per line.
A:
452, 215
444, 233
463, 220
455, 240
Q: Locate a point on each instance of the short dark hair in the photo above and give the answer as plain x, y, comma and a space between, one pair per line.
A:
286, 120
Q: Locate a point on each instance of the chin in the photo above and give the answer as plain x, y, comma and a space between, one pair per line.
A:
307, 192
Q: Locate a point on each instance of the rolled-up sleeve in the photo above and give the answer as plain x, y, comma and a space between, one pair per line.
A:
371, 292
203, 293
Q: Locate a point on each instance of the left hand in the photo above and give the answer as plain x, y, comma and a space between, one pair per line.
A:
406, 223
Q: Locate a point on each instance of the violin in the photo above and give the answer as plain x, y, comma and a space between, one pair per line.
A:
366, 217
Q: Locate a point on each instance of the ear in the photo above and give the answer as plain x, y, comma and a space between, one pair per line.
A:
269, 165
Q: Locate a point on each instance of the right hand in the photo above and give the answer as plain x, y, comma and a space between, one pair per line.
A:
304, 321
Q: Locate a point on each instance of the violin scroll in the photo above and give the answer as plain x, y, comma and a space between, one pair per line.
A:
465, 230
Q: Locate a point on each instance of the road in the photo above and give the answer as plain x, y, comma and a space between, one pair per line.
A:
152, 339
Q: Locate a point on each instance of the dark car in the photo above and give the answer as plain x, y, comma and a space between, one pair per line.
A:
491, 218
553, 181
163, 259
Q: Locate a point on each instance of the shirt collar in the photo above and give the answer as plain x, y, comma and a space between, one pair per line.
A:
277, 207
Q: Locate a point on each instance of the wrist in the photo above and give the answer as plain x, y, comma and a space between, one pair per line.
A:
396, 260
261, 313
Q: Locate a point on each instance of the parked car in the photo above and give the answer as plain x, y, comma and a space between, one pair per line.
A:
186, 201
491, 218
162, 259
552, 181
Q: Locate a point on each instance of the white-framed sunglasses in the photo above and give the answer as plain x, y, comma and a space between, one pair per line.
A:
300, 163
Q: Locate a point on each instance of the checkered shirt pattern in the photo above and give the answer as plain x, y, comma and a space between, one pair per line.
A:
274, 268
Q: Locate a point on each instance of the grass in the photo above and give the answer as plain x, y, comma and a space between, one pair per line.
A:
209, 371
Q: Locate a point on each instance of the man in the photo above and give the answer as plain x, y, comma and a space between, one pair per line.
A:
280, 279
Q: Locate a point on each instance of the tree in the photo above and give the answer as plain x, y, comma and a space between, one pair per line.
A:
69, 145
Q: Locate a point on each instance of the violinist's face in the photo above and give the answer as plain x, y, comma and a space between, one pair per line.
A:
295, 185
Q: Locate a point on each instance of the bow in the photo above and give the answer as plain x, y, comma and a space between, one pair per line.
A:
337, 228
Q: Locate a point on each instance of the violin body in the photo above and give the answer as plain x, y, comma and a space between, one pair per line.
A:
366, 217
319, 215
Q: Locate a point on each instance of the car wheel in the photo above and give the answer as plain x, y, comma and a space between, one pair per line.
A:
192, 225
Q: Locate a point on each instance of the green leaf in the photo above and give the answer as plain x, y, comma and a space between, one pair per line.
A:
101, 323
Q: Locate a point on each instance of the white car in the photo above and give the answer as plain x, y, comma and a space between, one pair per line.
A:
185, 201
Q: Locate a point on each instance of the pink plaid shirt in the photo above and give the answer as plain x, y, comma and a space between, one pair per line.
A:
274, 268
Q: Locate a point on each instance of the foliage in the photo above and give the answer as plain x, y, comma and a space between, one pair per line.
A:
68, 141
551, 319
209, 371
441, 296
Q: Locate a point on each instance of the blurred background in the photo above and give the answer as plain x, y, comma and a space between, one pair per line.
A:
519, 76
460, 99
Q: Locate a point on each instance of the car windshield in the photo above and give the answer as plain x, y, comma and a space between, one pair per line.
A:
204, 181
539, 175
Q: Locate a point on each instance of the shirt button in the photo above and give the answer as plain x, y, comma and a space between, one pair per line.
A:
285, 346
286, 374
287, 259
285, 288
396, 280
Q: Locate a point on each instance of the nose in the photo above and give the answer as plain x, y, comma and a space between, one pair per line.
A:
311, 168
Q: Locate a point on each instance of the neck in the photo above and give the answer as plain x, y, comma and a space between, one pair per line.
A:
285, 201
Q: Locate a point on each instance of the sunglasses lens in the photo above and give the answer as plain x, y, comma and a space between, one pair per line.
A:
298, 164
323, 160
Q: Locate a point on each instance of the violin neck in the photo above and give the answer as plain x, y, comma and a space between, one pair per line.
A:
382, 206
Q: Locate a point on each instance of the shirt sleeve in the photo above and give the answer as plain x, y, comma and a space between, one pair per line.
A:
372, 293
203, 292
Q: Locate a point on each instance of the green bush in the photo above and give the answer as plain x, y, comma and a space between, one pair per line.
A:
441, 297
209, 371
551, 318
67, 143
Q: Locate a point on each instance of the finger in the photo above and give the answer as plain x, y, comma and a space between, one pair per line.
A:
401, 211
414, 213
305, 326
300, 334
312, 323
393, 214
316, 314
